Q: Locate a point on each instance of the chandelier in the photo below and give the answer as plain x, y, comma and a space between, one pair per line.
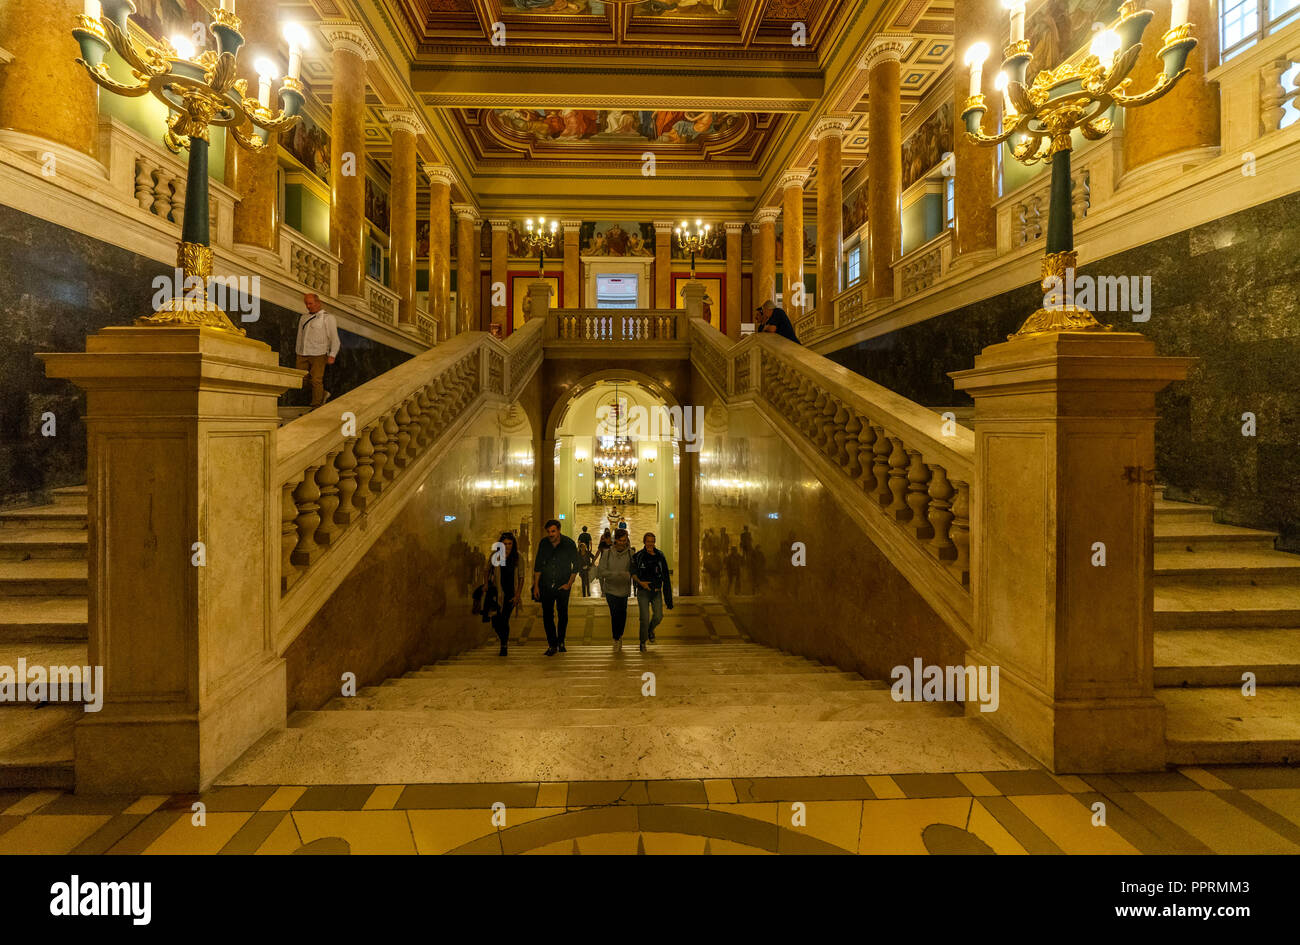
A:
539, 239
694, 240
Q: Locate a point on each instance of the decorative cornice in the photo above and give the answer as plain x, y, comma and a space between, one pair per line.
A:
793, 178
831, 126
571, 226
734, 226
884, 48
403, 119
466, 211
349, 36
766, 215
499, 226
662, 226
439, 174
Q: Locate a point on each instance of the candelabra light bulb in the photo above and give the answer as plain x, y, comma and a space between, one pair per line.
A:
184, 48
1104, 46
977, 54
265, 69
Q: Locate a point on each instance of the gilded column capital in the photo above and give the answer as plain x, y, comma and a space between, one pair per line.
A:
439, 174
766, 215
571, 226
793, 178
403, 119
831, 126
500, 226
466, 211
734, 226
886, 47
664, 226
349, 36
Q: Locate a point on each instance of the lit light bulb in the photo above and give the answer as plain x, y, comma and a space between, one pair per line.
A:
975, 57
1104, 46
1017, 9
1000, 83
265, 69
184, 48
297, 39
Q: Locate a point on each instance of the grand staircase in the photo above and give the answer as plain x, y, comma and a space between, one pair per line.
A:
1226, 604
43, 601
723, 707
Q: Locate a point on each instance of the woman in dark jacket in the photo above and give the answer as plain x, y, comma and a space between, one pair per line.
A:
508, 581
654, 586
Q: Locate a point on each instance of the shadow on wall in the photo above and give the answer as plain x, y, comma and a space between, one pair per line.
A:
1228, 293
56, 287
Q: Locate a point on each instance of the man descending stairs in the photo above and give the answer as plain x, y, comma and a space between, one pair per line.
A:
1226, 604
43, 601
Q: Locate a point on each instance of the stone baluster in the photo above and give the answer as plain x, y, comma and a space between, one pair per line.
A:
144, 184
393, 444
327, 481
880, 451
346, 463
961, 531
288, 535
419, 435
402, 425
162, 193
177, 212
866, 442
365, 451
834, 432
307, 497
918, 479
379, 440
898, 481
412, 408
852, 445
941, 493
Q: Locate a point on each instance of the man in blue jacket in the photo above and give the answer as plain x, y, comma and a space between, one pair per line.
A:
654, 587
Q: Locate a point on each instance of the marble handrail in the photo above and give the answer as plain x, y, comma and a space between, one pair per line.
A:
615, 324
355, 461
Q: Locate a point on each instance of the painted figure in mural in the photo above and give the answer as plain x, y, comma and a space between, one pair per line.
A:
597, 245
550, 6
706, 7
577, 123
622, 123
616, 241
636, 245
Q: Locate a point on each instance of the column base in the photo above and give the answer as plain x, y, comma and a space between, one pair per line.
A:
1077, 736
136, 748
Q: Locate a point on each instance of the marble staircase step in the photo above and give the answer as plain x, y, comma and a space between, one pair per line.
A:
59, 515
1227, 567
42, 618
36, 746
1167, 512
20, 543
497, 698
1210, 536
678, 666
43, 653
613, 683
1219, 657
1223, 726
43, 577
1196, 604
70, 495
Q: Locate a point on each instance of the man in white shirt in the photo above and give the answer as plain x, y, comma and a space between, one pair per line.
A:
318, 345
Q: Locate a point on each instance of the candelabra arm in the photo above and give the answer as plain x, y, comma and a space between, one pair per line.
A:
973, 116
1163, 85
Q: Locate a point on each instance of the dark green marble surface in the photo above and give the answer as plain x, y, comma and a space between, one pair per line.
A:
56, 287
1226, 292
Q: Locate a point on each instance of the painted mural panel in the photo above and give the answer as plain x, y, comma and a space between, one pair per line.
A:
855, 210
376, 205
1059, 28
925, 147
809, 241
687, 8
310, 144
554, 7
614, 126
171, 17
620, 238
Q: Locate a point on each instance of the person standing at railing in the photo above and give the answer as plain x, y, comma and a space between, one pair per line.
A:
773, 319
317, 346
554, 567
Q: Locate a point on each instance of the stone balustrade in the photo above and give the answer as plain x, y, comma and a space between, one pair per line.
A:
923, 267
1022, 214
427, 326
609, 324
341, 470
1260, 93
382, 300
313, 267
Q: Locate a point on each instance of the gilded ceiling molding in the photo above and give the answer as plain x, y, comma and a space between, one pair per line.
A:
467, 211
439, 174
766, 215
884, 48
350, 36
793, 178
493, 100
403, 119
831, 126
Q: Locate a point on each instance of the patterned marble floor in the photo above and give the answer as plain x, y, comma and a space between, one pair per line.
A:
1191, 810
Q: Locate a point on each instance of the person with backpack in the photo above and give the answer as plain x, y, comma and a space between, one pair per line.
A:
655, 589
503, 587
615, 575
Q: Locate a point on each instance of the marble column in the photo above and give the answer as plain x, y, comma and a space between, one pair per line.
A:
181, 441
351, 49
975, 232
732, 315
885, 163
253, 175
1061, 544
572, 263
664, 264
792, 284
764, 274
468, 222
441, 179
405, 125
500, 273
829, 134
43, 92
1186, 119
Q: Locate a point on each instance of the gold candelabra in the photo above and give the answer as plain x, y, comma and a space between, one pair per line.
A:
200, 90
539, 239
1043, 116
695, 240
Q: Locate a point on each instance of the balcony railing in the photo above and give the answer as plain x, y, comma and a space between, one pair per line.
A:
616, 325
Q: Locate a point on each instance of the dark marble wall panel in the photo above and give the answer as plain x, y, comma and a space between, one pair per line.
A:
847, 604
407, 603
56, 287
1228, 293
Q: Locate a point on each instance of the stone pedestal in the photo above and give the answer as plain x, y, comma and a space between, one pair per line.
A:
693, 293
181, 426
1065, 455
539, 299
